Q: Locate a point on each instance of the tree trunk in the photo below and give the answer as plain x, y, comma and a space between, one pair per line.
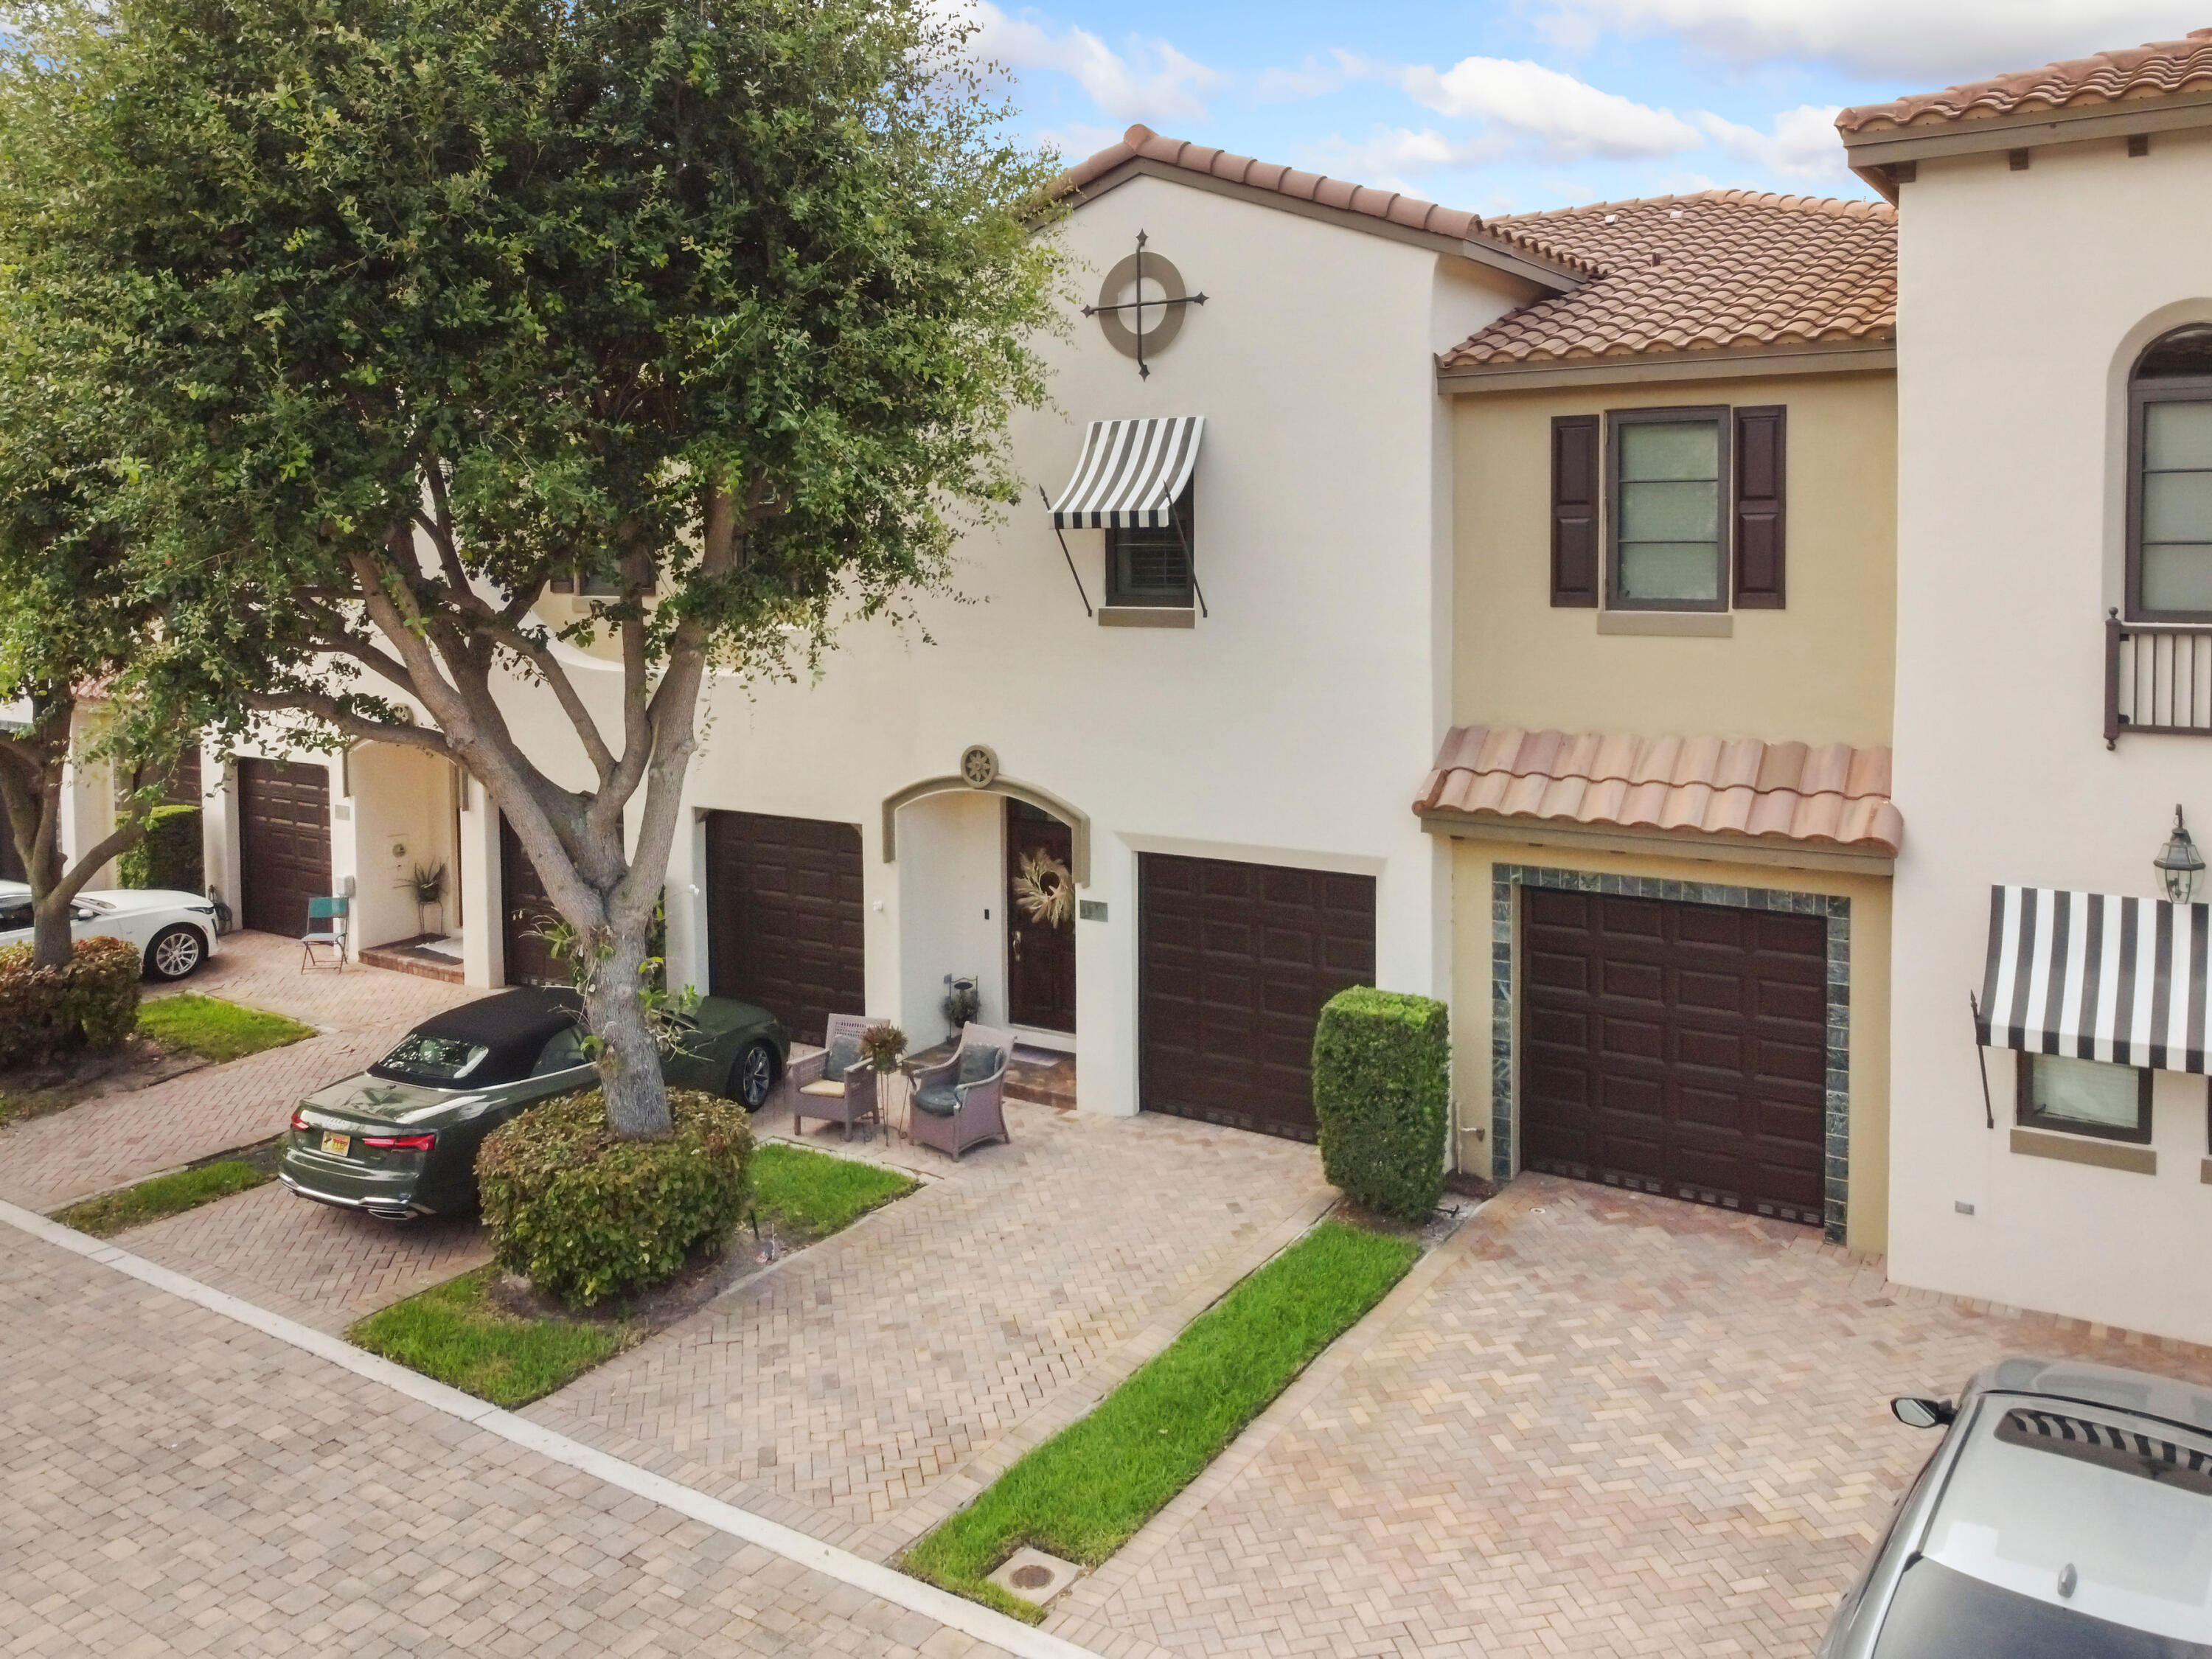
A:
52, 945
630, 1063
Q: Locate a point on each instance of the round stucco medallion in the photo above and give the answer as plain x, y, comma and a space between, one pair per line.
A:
979, 767
1163, 321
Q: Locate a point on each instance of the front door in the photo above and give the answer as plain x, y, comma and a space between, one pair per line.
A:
1040, 920
525, 911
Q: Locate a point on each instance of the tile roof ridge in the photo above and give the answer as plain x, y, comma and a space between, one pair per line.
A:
1845, 207
2154, 68
1393, 207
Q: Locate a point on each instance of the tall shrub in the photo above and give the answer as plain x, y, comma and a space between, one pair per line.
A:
169, 855
91, 1001
1382, 1081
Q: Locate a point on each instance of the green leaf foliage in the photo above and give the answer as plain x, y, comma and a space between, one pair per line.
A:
584, 1216
90, 1002
168, 854
1083, 1493
1382, 1081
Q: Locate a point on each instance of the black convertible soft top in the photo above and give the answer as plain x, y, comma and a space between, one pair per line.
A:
515, 1026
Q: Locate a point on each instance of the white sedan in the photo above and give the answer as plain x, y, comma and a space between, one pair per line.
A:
172, 931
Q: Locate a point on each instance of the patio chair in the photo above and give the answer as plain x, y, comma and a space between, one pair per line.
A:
836, 1085
330, 913
958, 1103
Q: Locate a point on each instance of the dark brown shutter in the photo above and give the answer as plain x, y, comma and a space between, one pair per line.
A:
1574, 509
1760, 467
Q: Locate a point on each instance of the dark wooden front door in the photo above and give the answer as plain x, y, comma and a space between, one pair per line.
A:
523, 909
284, 843
1040, 920
1676, 1049
784, 917
1233, 963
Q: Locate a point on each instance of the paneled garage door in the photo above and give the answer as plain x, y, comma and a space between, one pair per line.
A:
784, 917
1235, 961
284, 843
1676, 1049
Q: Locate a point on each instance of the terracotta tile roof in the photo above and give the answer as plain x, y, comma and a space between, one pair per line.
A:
1833, 795
1408, 211
1722, 268
2158, 70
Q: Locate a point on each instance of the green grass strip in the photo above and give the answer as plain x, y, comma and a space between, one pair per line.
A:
213, 1029
817, 1194
164, 1196
1085, 1491
454, 1332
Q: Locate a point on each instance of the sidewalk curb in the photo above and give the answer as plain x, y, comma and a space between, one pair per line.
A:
870, 1578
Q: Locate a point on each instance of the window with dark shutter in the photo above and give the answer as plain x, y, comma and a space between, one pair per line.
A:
1574, 509
1760, 469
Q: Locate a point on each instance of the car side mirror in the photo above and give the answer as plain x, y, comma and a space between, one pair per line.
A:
1917, 1411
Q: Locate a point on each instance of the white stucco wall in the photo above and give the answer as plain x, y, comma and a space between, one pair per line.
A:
1291, 725
2024, 298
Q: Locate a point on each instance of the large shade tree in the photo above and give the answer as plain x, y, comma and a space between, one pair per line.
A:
721, 305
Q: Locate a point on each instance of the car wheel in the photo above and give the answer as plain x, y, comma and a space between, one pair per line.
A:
175, 952
753, 1076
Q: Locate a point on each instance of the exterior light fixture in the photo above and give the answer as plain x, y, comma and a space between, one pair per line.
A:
2179, 863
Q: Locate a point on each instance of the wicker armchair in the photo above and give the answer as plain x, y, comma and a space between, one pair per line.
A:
846, 1096
958, 1103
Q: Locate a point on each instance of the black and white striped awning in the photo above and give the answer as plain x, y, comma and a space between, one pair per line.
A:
1131, 473
2097, 977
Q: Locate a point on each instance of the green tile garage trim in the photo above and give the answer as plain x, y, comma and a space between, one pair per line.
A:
1505, 912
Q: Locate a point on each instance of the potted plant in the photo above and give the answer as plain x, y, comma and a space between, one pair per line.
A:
963, 1000
882, 1046
428, 884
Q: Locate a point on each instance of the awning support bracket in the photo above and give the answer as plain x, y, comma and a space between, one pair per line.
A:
1064, 553
1982, 1058
1189, 560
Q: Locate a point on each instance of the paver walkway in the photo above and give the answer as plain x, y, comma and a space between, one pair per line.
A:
322, 1266
1611, 1423
172, 1482
51, 1161
840, 1394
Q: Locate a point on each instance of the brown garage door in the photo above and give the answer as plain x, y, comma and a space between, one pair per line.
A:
523, 909
784, 917
284, 842
1676, 1049
1233, 963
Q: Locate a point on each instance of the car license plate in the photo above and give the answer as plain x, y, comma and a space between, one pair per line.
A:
336, 1145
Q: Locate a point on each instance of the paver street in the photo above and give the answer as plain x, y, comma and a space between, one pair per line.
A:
1615, 1424
171, 1482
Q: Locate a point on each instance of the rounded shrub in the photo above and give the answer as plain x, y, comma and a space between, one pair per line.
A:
93, 1002
1382, 1081
584, 1216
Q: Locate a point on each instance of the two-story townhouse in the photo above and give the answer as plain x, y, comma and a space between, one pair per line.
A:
1144, 780
2054, 682
1667, 791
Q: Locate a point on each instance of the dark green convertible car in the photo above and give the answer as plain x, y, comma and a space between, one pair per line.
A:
400, 1140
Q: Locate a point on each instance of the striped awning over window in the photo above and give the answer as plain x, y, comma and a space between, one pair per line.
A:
1130, 474
2097, 977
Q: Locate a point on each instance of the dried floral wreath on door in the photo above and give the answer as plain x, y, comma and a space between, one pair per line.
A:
1045, 890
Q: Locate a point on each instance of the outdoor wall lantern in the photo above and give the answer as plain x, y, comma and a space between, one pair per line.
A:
2179, 863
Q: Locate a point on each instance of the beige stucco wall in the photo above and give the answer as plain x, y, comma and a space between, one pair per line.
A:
1820, 670
1473, 874
2024, 298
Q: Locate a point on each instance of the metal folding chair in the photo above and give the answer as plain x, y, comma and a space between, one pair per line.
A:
331, 914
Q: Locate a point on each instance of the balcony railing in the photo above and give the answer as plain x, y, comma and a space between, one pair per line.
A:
2158, 679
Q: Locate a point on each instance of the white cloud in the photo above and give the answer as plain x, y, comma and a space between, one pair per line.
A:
1152, 82
1313, 78
1918, 44
1564, 117
1074, 140
1394, 156
1802, 145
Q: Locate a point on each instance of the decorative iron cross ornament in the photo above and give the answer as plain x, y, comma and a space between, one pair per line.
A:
1132, 273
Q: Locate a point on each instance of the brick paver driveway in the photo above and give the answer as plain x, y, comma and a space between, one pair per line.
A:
358, 1014
861, 1392
1611, 1424
171, 1482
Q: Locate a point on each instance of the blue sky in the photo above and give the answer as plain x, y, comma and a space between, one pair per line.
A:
1510, 105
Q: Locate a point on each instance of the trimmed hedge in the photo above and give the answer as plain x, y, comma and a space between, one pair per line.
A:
1382, 1081
168, 854
585, 1217
93, 1002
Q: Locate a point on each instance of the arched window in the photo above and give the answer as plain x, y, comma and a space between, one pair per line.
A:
2170, 478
